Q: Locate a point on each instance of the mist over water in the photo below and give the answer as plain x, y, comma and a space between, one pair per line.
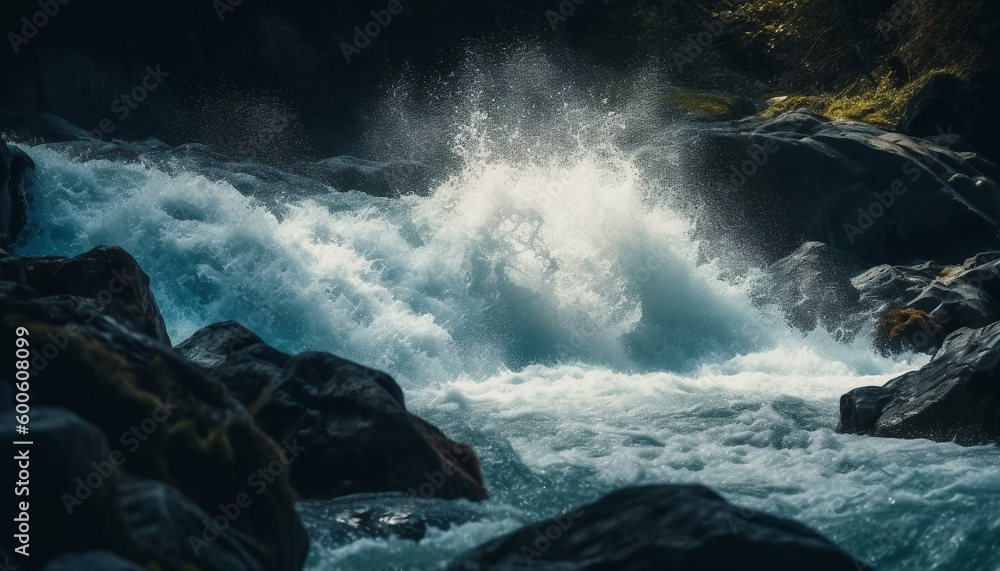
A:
547, 305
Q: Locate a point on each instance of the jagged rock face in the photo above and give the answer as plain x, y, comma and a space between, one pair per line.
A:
885, 286
351, 420
812, 285
955, 397
682, 528
15, 196
100, 362
882, 197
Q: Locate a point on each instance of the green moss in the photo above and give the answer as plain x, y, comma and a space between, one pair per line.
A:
717, 106
882, 105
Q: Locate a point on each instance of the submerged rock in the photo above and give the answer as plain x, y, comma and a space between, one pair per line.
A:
955, 397
14, 193
384, 515
389, 179
352, 420
883, 197
682, 528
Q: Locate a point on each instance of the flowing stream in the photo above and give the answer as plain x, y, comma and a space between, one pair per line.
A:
550, 309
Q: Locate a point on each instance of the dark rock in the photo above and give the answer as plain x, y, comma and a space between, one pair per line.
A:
15, 195
660, 527
163, 520
859, 413
351, 419
955, 112
952, 297
210, 346
886, 286
66, 448
812, 285
98, 361
955, 397
955, 304
106, 274
36, 128
90, 561
882, 197
390, 179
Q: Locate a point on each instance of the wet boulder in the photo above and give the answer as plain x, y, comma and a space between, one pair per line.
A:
15, 195
955, 304
682, 528
880, 196
885, 286
350, 421
812, 286
955, 397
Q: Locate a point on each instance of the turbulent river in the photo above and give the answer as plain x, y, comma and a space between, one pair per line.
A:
552, 310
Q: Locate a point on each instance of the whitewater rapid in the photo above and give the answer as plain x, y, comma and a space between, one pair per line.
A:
556, 316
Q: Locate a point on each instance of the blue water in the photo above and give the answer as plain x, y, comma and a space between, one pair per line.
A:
549, 309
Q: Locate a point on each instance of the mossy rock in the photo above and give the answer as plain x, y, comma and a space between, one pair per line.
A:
710, 105
901, 329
